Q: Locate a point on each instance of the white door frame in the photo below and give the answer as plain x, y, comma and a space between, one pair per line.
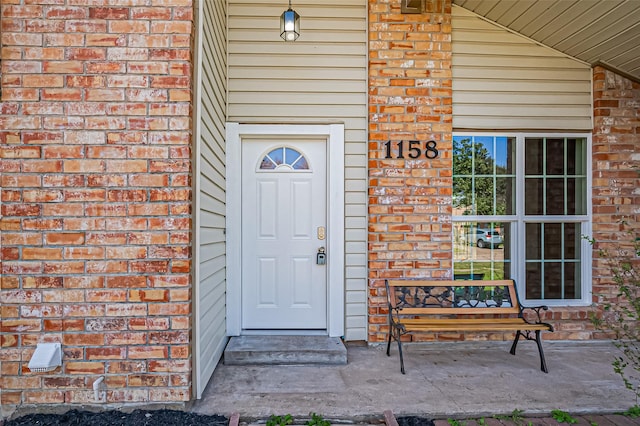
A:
334, 134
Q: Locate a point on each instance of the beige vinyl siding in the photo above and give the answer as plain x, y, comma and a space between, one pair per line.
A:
505, 81
212, 253
320, 78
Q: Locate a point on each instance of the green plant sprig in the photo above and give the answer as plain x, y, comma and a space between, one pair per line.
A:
563, 417
317, 420
274, 420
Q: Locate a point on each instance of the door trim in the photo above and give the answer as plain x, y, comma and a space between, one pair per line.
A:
334, 135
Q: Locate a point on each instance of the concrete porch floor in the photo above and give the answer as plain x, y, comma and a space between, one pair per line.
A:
458, 379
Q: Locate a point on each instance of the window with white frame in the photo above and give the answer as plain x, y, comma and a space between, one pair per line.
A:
520, 209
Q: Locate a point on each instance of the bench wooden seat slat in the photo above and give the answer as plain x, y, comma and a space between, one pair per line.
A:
460, 311
452, 306
463, 321
489, 326
469, 327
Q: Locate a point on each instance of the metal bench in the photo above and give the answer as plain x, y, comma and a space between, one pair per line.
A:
440, 306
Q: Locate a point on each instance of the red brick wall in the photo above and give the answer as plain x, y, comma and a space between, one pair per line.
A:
616, 169
410, 99
95, 147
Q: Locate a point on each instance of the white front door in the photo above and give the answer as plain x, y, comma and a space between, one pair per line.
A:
284, 219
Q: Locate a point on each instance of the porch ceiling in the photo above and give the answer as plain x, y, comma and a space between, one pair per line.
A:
603, 32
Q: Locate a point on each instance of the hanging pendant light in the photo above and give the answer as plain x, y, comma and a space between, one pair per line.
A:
290, 24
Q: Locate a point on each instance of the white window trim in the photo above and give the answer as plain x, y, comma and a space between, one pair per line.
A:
519, 219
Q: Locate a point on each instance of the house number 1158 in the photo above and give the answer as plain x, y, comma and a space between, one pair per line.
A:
415, 149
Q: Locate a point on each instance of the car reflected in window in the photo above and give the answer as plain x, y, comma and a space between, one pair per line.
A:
484, 238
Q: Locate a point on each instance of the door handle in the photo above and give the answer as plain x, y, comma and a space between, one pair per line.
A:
321, 257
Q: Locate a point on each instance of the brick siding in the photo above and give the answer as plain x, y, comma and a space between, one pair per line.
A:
616, 171
95, 147
410, 98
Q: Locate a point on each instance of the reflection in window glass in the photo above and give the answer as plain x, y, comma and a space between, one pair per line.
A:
504, 158
267, 164
481, 250
283, 158
277, 156
300, 163
483, 178
483, 189
542, 225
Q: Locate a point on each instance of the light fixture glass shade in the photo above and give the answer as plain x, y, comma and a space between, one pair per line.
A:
290, 25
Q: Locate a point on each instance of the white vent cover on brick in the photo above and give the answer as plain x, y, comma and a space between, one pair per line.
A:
47, 357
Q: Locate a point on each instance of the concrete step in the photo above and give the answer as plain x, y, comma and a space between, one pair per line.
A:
285, 350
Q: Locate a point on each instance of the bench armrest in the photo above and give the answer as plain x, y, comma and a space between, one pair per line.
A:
394, 314
394, 320
536, 310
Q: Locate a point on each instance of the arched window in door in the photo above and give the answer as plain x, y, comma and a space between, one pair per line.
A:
283, 159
